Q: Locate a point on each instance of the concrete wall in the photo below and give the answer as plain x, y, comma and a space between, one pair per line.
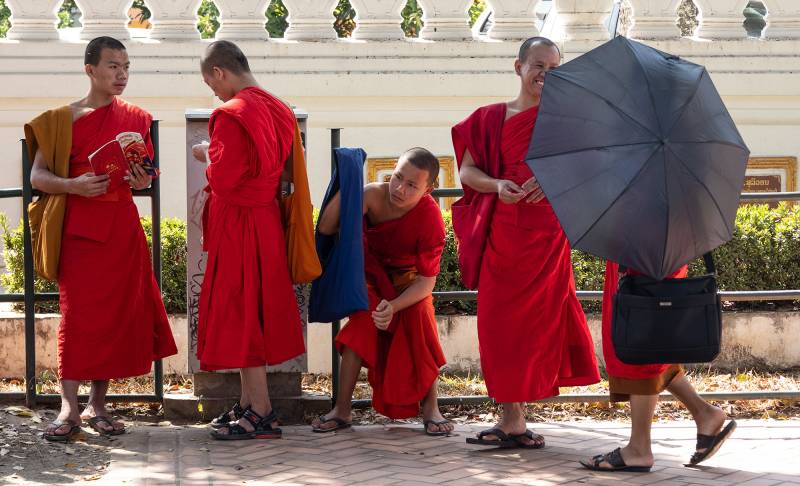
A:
12, 344
750, 340
760, 340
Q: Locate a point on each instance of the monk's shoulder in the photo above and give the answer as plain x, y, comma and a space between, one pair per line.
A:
374, 192
483, 115
430, 212
135, 110
51, 115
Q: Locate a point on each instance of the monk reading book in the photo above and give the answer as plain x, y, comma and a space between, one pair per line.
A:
114, 157
113, 322
531, 328
397, 339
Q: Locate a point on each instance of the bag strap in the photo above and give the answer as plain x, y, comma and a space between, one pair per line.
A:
708, 259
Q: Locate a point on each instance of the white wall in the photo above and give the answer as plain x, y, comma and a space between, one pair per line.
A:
387, 96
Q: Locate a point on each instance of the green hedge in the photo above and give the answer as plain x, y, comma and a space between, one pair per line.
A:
173, 264
764, 254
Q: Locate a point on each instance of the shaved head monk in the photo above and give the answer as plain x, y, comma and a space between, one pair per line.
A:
397, 339
532, 331
113, 322
248, 312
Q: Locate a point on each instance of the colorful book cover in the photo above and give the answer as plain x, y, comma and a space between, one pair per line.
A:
114, 156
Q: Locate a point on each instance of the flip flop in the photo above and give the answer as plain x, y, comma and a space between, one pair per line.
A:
503, 441
613, 458
95, 422
528, 434
74, 429
425, 424
711, 443
340, 424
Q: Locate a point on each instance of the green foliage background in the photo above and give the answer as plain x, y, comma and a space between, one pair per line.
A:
173, 264
276, 14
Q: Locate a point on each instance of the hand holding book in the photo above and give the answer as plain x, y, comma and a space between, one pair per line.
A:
125, 158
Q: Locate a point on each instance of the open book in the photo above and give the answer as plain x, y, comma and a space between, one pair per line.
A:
114, 156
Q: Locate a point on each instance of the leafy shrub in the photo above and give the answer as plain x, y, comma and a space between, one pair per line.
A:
173, 265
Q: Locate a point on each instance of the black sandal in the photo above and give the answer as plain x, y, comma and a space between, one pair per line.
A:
528, 434
340, 424
503, 441
614, 459
225, 417
95, 422
438, 423
50, 433
262, 428
711, 443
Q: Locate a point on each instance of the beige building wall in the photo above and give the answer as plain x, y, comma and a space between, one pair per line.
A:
387, 96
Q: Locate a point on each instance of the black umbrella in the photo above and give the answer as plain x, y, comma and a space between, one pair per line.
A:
638, 156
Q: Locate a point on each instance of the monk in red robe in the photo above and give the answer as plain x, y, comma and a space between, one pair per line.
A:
641, 384
113, 322
248, 312
397, 340
531, 328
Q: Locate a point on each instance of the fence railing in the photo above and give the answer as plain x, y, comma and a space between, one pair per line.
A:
29, 297
588, 295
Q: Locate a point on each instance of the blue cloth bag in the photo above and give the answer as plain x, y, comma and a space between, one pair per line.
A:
341, 290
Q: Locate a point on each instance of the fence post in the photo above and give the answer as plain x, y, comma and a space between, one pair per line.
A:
335, 325
30, 301
155, 217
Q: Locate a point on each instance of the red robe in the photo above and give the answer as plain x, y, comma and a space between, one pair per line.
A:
403, 361
248, 311
531, 328
614, 367
113, 322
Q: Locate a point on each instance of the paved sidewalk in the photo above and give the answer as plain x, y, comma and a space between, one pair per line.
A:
759, 453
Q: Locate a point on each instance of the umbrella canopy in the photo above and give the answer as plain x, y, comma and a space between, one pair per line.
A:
638, 156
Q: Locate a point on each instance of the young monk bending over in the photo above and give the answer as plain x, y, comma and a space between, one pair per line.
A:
397, 340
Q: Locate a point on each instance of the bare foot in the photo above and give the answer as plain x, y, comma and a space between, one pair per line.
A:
517, 428
63, 425
246, 424
99, 410
630, 456
328, 422
435, 423
710, 420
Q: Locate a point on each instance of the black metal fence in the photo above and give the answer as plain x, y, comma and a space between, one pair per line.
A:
30, 296
587, 295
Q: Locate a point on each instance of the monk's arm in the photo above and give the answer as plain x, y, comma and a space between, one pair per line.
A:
419, 289
472, 176
328, 222
475, 178
87, 185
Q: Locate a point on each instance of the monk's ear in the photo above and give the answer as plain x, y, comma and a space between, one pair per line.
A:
89, 70
518, 67
219, 73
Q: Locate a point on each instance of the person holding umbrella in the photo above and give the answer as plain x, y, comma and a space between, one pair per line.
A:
652, 182
531, 328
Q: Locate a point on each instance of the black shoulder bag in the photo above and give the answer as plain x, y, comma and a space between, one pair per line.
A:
675, 320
